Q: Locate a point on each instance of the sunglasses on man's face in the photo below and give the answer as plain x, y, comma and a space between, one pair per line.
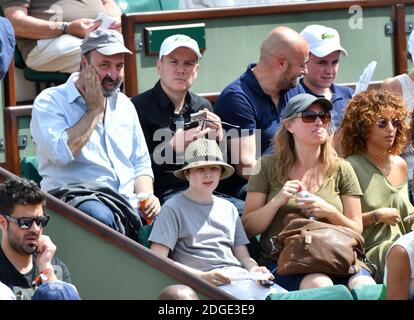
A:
383, 123
26, 223
310, 116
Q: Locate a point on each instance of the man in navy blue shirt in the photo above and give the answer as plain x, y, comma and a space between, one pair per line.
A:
255, 102
325, 50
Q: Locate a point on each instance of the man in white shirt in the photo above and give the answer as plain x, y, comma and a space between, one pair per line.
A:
87, 131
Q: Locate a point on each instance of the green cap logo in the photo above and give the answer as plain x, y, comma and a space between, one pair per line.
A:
326, 35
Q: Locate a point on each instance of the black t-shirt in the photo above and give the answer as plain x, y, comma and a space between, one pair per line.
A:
22, 284
156, 111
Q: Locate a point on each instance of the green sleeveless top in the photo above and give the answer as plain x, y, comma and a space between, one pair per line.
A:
378, 192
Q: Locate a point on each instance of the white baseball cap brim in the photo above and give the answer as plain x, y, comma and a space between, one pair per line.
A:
323, 51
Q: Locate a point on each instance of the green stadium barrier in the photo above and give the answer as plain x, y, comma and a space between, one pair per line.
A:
369, 292
335, 292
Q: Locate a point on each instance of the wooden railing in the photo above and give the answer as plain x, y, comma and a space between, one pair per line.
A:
10, 86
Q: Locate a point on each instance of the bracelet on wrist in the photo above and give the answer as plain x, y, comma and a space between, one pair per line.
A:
42, 275
374, 217
64, 27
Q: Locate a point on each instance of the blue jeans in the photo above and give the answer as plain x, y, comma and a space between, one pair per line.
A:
99, 211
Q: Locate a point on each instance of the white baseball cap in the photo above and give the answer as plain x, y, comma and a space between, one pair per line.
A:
179, 40
411, 45
322, 40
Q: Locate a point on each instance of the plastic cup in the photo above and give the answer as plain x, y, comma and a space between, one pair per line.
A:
143, 199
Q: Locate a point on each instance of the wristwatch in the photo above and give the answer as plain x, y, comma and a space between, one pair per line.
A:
64, 27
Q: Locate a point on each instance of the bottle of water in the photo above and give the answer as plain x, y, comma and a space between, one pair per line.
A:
303, 195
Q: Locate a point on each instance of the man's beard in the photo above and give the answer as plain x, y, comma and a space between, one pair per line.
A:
293, 82
288, 83
116, 84
22, 248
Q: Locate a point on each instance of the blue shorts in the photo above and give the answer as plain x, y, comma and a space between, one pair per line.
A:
292, 282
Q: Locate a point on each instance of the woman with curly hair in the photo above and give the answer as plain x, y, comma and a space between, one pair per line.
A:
373, 133
304, 160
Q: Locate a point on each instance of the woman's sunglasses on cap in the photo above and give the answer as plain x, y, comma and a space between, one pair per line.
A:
26, 223
310, 116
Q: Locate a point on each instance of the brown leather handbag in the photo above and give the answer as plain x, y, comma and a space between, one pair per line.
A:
310, 246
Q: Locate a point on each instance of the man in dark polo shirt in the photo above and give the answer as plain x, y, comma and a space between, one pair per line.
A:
255, 102
164, 109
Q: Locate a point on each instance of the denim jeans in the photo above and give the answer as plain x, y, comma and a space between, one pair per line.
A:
99, 211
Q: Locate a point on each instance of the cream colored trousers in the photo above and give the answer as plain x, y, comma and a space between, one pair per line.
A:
56, 54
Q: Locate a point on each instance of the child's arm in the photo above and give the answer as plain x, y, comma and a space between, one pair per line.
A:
242, 254
214, 277
160, 249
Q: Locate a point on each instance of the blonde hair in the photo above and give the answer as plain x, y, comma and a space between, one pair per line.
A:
286, 155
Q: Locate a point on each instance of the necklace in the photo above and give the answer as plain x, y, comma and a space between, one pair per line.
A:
383, 162
378, 157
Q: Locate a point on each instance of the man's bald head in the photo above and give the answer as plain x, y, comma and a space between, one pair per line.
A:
282, 41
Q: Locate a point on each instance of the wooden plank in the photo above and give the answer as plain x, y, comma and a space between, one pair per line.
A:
131, 80
400, 42
259, 10
10, 86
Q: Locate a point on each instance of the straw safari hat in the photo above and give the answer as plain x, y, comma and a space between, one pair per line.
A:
204, 152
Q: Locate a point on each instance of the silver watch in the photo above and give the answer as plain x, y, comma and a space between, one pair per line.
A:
64, 27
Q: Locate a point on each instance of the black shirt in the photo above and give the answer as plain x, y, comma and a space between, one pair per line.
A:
22, 284
156, 111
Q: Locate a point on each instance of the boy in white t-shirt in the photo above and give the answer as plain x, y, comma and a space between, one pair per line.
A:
203, 233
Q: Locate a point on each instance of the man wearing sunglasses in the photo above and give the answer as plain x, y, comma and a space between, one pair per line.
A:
26, 254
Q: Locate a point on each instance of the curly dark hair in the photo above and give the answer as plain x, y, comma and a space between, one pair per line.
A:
19, 191
362, 113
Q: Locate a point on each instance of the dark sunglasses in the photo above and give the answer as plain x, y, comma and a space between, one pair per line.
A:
310, 116
26, 223
383, 123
